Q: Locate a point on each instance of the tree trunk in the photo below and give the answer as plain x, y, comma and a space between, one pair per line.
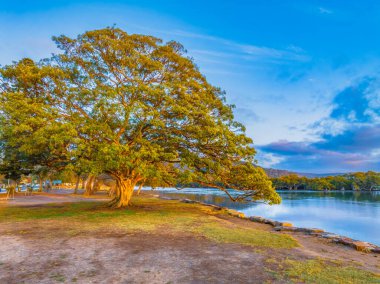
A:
40, 183
96, 185
89, 185
112, 190
123, 192
77, 185
140, 186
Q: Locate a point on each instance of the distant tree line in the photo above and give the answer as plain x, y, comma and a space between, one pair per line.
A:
353, 181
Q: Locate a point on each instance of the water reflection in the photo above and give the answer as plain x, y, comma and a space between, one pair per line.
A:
353, 214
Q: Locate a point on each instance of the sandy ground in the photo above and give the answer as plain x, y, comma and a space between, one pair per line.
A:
28, 254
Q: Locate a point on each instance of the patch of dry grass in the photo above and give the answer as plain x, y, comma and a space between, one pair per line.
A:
247, 236
322, 272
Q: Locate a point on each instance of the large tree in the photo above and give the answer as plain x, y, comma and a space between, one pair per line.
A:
142, 111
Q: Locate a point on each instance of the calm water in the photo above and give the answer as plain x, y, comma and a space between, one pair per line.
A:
352, 214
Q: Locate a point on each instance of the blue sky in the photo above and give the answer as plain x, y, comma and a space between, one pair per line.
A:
304, 75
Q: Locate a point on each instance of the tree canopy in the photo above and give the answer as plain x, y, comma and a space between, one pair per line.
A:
132, 107
33, 138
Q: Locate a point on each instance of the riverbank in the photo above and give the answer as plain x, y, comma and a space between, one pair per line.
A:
162, 241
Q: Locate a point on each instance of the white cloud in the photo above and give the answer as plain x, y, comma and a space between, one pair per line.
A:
268, 160
221, 47
323, 10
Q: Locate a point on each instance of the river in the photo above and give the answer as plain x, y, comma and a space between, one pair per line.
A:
352, 214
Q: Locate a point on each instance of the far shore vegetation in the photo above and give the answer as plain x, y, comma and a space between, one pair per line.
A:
366, 181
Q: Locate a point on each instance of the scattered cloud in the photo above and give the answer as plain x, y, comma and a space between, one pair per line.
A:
225, 48
246, 114
349, 138
323, 10
268, 160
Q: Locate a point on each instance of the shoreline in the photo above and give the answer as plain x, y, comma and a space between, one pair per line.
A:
288, 227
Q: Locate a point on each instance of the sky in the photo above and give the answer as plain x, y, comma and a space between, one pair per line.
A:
304, 76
